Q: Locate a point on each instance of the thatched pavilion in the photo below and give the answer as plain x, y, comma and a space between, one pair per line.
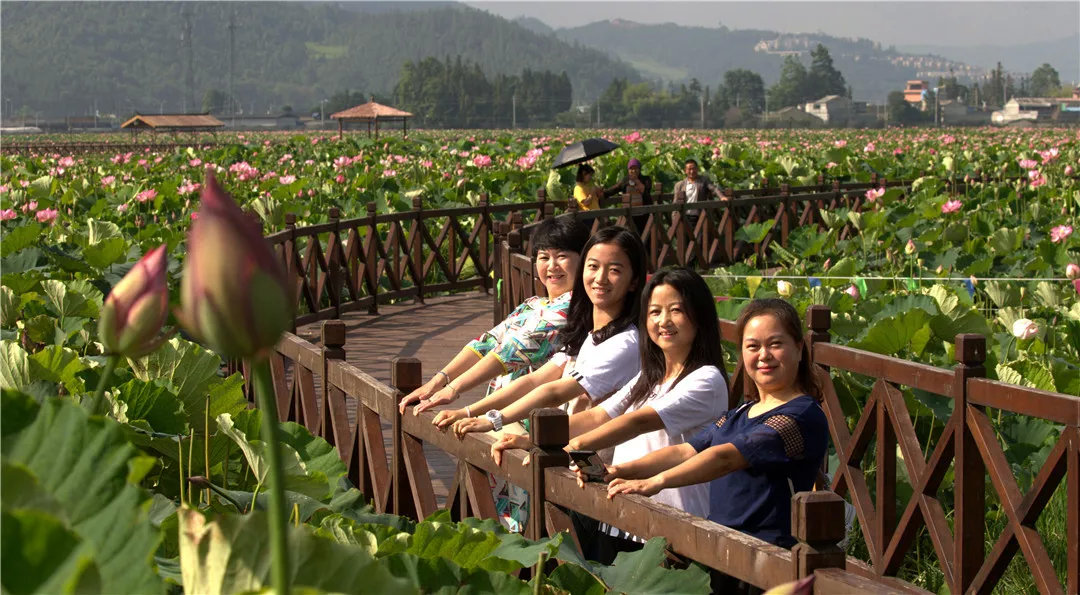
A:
372, 112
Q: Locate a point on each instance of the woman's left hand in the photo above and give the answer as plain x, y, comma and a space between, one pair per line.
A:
645, 487
472, 424
443, 396
509, 442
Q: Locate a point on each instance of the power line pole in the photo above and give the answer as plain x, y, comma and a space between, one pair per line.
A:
513, 110
232, 62
597, 112
701, 99
186, 44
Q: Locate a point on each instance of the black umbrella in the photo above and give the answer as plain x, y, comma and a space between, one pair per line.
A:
583, 151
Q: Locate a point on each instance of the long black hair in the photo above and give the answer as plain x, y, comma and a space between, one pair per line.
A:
700, 308
579, 319
583, 169
788, 318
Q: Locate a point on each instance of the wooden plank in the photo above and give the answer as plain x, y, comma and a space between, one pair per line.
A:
898, 371
1056, 407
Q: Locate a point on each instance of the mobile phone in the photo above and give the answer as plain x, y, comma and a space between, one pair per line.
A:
590, 464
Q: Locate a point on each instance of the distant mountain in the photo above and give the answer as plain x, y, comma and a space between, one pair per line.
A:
69, 58
535, 25
1063, 54
670, 52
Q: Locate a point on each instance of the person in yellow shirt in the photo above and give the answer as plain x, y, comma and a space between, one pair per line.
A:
586, 193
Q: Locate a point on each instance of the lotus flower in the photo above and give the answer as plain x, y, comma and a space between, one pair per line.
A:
910, 248
784, 288
136, 308
8, 214
234, 293
951, 206
1059, 233
874, 194
1072, 270
853, 292
1025, 328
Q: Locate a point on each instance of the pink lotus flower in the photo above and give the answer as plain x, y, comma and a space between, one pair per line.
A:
874, 194
1072, 270
286, 180
853, 292
1024, 328
66, 161
187, 188
951, 206
482, 161
840, 144
1068, 170
633, 137
136, 309
869, 148
234, 293
426, 164
107, 181
831, 165
30, 206
146, 195
1059, 233
1076, 285
195, 162
8, 214
47, 215
1028, 164
340, 179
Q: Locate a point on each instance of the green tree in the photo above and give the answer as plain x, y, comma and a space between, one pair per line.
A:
791, 88
901, 112
1044, 81
743, 89
823, 78
214, 101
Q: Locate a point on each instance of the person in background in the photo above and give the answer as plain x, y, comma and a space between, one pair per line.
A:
527, 337
758, 455
694, 188
637, 185
586, 193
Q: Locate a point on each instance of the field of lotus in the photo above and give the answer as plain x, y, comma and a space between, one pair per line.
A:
1000, 258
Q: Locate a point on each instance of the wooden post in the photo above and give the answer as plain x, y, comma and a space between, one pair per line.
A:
680, 231
333, 265
542, 212
416, 247
405, 376
333, 341
371, 268
291, 265
728, 230
498, 265
482, 237
549, 430
970, 479
785, 217
817, 522
626, 202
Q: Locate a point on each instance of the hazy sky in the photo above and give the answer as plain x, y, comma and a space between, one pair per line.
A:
891, 23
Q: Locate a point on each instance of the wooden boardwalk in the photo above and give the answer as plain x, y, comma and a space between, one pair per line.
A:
432, 332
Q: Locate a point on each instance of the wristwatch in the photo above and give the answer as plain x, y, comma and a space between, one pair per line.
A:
495, 417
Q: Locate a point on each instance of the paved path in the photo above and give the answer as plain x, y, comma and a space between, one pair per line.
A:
433, 332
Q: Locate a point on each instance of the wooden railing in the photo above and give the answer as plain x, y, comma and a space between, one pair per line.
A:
349, 407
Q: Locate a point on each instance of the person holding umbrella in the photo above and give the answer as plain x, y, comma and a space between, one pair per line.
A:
586, 192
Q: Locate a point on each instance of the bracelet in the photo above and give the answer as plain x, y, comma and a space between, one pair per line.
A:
444, 375
453, 390
467, 412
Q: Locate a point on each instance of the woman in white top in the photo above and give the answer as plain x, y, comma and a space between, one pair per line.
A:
598, 353
681, 387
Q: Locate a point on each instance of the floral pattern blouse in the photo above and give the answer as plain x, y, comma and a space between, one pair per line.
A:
525, 339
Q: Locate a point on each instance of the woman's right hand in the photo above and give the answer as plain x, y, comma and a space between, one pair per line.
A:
610, 472
509, 442
448, 416
429, 388
443, 396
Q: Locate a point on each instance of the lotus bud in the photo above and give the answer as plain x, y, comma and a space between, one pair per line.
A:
136, 308
853, 292
910, 248
1072, 270
1024, 328
784, 288
234, 295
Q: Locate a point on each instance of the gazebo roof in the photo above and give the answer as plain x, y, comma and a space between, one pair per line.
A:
162, 121
370, 111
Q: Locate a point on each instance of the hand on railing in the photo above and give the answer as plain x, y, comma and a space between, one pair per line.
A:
645, 487
443, 396
448, 416
510, 442
610, 473
425, 395
472, 424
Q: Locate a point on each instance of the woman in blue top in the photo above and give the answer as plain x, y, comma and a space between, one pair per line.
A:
759, 454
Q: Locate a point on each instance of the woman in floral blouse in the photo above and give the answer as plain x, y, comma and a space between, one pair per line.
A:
526, 338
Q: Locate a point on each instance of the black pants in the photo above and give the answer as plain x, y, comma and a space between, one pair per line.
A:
597, 546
